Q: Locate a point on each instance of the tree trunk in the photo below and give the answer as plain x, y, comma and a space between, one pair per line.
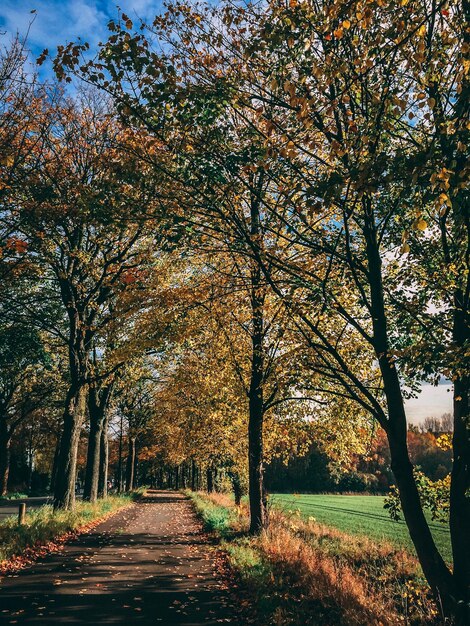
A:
30, 461
64, 492
193, 475
237, 488
210, 483
90, 490
135, 482
460, 477
177, 477
55, 462
255, 465
75, 403
258, 518
130, 464
432, 563
104, 460
98, 401
120, 475
5, 440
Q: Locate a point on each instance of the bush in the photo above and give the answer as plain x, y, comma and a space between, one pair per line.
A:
358, 482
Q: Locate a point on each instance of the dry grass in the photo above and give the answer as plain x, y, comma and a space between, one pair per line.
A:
325, 579
320, 575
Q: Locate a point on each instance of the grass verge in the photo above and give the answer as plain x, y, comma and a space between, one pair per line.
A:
303, 572
14, 495
44, 529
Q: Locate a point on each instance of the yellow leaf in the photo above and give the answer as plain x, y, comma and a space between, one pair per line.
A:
8, 160
346, 24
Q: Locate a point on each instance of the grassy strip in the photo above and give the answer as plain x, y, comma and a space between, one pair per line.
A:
302, 572
14, 495
43, 526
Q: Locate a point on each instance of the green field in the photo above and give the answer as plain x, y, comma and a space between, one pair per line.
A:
359, 515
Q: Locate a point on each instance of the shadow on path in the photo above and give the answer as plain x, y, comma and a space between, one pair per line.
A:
149, 564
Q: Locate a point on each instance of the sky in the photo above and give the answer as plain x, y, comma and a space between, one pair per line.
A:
56, 22
431, 402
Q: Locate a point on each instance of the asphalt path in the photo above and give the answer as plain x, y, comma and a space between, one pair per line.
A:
148, 564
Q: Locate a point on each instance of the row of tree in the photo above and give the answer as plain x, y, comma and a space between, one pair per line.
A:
272, 207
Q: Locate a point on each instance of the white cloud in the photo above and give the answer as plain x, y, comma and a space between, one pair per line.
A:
56, 22
431, 402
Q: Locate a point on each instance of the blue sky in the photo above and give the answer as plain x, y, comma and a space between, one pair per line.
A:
58, 21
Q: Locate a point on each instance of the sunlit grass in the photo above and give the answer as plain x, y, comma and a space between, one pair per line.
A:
303, 572
359, 515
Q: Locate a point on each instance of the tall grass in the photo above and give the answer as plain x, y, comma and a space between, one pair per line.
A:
43, 525
302, 572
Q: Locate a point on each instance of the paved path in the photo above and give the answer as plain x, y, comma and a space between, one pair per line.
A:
149, 564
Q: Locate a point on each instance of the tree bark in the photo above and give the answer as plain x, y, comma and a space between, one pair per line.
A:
90, 490
75, 403
120, 476
5, 440
210, 482
55, 462
98, 400
193, 475
237, 488
104, 461
432, 563
460, 476
130, 464
258, 519
64, 492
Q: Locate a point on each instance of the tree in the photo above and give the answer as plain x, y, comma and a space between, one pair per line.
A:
99, 398
24, 363
24, 124
87, 220
360, 115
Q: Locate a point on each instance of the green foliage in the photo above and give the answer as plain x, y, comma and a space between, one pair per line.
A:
434, 495
218, 519
13, 495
